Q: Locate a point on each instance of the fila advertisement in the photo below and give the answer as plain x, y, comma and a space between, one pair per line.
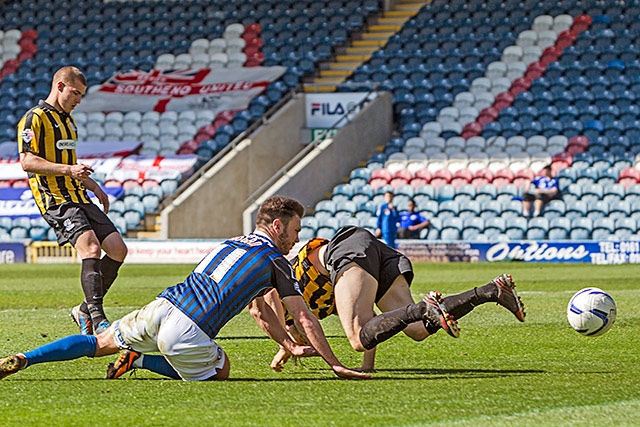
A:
325, 110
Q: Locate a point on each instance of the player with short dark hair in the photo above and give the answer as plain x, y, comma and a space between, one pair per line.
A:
47, 139
354, 271
183, 321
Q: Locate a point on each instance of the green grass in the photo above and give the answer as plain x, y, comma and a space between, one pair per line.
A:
499, 372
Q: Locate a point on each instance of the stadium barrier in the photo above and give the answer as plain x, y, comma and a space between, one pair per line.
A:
51, 252
192, 251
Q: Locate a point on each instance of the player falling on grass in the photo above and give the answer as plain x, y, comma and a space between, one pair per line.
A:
350, 273
184, 320
47, 139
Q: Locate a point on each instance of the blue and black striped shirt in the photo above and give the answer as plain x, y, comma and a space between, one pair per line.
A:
229, 278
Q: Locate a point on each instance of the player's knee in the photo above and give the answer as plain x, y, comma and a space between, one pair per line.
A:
416, 331
356, 343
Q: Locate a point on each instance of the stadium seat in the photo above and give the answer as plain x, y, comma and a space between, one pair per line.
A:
490, 208
581, 228
559, 228
511, 209
538, 228
516, 228
448, 209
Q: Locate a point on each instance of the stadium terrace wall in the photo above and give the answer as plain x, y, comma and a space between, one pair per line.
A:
332, 161
213, 206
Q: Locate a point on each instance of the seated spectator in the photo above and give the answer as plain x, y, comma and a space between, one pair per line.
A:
540, 190
411, 222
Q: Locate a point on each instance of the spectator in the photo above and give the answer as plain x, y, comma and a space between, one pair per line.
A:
411, 222
540, 190
388, 218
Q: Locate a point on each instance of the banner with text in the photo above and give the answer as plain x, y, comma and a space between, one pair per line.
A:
180, 90
592, 252
12, 252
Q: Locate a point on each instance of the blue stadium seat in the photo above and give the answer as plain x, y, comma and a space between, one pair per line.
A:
490, 209
581, 228
448, 208
516, 228
559, 228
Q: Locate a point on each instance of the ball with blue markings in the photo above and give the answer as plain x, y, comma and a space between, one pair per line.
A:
591, 312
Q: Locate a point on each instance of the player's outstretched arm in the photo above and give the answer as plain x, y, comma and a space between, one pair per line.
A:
307, 323
271, 325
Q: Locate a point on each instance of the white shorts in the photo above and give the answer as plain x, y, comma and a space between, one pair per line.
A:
160, 326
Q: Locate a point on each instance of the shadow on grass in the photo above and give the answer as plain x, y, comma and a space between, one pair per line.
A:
380, 375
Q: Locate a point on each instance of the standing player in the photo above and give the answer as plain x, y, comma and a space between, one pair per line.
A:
184, 320
47, 139
388, 218
350, 273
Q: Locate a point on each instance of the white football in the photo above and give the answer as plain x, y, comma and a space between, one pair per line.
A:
591, 312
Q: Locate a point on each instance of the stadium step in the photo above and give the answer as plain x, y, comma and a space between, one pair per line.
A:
374, 37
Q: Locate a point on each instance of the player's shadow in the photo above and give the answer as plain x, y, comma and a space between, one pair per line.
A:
434, 374
404, 374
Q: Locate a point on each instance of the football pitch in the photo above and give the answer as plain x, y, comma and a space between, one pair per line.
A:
499, 372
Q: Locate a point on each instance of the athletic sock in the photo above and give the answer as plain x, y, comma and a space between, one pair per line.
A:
109, 269
92, 286
157, 364
385, 325
68, 348
462, 304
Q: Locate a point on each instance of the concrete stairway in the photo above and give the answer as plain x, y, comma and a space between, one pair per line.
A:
359, 51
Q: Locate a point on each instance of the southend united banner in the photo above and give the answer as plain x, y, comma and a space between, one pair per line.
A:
180, 90
591, 252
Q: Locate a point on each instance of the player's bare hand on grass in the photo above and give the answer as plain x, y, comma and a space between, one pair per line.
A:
350, 374
283, 355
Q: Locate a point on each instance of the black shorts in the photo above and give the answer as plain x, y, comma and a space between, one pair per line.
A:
70, 220
354, 244
528, 197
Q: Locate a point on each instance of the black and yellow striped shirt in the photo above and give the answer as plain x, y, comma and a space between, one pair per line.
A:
52, 135
317, 289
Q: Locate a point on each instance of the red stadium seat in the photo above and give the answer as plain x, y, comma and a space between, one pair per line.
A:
440, 177
503, 176
381, 173
481, 177
503, 100
461, 177
629, 176
471, 129
423, 174
580, 23
403, 174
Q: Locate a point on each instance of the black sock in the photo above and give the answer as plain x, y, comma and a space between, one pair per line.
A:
109, 269
460, 305
92, 287
385, 325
